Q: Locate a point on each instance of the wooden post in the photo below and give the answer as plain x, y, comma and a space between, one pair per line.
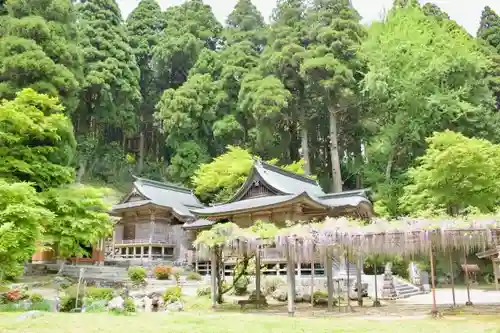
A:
358, 277
452, 279
257, 276
329, 279
291, 280
495, 271
151, 233
434, 311
312, 275
213, 280
468, 303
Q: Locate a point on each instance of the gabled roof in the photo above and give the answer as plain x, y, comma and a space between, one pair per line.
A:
280, 181
259, 203
175, 197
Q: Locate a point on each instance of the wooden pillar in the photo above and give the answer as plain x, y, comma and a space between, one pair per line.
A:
358, 277
257, 276
433, 283
299, 265
452, 278
142, 252
329, 278
213, 280
312, 274
113, 243
151, 234
291, 279
494, 262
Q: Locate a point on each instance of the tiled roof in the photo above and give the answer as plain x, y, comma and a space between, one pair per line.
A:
281, 181
197, 224
178, 198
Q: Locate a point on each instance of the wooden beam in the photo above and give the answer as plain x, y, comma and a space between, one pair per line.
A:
257, 276
291, 280
329, 278
213, 280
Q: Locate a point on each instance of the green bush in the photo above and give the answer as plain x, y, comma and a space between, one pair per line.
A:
272, 283
241, 286
137, 274
194, 276
36, 298
400, 267
68, 301
99, 294
177, 276
129, 305
203, 291
320, 298
172, 294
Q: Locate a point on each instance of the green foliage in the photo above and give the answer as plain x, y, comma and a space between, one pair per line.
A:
194, 276
99, 294
36, 140
421, 78
172, 294
81, 218
241, 286
85, 295
36, 298
455, 173
271, 284
137, 274
218, 180
38, 50
129, 305
203, 291
21, 221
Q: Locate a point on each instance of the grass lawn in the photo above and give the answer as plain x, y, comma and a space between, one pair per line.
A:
206, 322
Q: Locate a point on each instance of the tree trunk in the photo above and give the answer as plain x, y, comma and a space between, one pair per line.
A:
334, 152
304, 145
81, 172
390, 162
140, 165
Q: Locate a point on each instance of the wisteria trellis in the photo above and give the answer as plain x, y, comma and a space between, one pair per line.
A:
405, 236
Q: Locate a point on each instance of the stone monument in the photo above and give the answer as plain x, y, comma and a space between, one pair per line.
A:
388, 290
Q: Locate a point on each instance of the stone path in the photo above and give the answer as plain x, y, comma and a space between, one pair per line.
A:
444, 297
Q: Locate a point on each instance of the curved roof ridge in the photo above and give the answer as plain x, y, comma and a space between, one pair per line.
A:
164, 185
277, 169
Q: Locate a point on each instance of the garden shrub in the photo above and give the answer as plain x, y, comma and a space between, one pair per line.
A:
272, 283
320, 298
68, 301
129, 305
203, 291
137, 274
36, 298
172, 294
241, 286
162, 272
194, 276
177, 276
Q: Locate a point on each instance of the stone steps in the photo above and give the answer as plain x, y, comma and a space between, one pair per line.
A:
405, 289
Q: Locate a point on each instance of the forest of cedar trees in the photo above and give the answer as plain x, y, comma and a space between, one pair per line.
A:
407, 106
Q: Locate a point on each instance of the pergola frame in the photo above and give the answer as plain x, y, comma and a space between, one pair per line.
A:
403, 237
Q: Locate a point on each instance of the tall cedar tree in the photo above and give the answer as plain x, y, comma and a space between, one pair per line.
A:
489, 32
144, 26
110, 94
282, 59
38, 50
188, 108
332, 66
